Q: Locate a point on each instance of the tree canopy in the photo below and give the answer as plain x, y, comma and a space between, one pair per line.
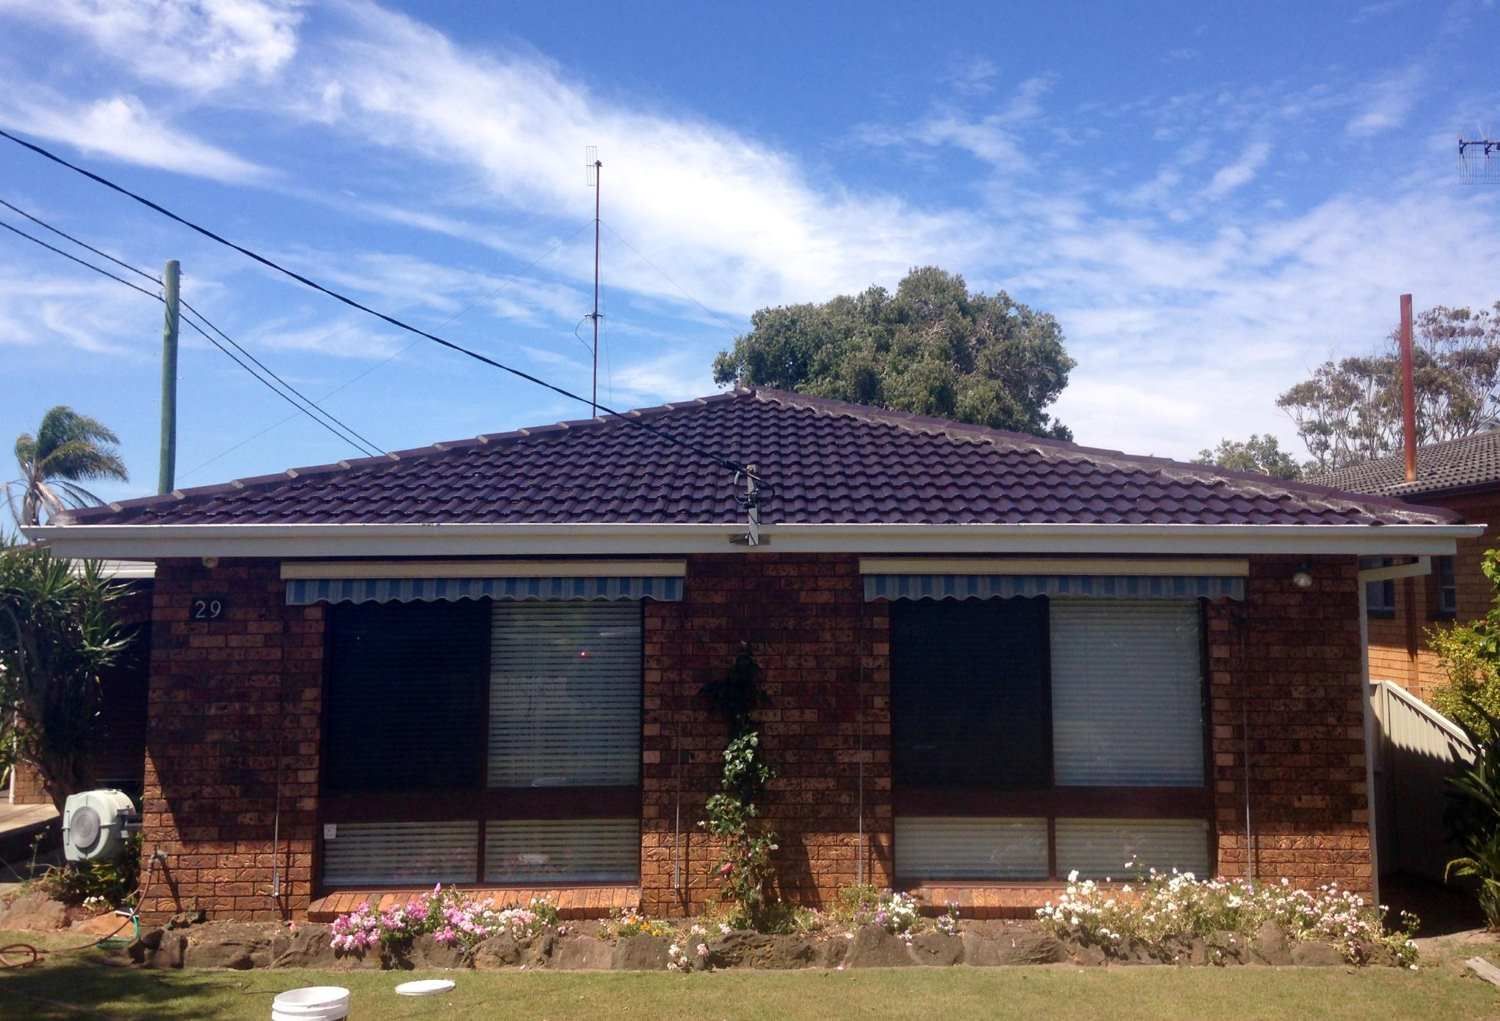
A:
68, 448
1350, 411
1262, 454
932, 348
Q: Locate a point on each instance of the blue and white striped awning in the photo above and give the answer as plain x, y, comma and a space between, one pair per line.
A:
1070, 586
306, 591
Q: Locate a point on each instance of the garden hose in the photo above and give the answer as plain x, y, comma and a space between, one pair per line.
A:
33, 954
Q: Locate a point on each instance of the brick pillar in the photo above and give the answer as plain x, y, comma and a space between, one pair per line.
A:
231, 700
1286, 663
824, 656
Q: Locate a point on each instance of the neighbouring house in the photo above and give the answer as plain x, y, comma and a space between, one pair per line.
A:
1462, 476
988, 659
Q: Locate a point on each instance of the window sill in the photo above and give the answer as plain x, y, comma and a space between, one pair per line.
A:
573, 902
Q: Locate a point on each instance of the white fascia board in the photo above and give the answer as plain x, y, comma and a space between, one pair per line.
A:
412, 568
322, 541
1072, 566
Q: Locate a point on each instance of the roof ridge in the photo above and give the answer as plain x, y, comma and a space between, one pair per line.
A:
951, 427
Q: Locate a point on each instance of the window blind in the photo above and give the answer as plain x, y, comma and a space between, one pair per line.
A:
933, 847
565, 695
1100, 847
400, 853
1127, 694
969, 693
405, 683
562, 851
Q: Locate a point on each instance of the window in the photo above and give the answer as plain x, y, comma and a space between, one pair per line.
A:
969, 692
1446, 604
1380, 596
1033, 736
565, 695
403, 696
1127, 694
482, 741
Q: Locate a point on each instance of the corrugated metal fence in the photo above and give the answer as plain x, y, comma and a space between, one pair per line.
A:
1417, 749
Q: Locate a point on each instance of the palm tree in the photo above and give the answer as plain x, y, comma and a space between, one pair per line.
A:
69, 448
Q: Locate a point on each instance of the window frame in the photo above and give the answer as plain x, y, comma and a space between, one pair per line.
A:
1439, 588
480, 803
1054, 801
1383, 608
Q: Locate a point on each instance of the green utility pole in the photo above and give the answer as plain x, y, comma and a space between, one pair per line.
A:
167, 477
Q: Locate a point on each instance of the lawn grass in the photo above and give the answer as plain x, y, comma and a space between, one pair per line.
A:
84, 985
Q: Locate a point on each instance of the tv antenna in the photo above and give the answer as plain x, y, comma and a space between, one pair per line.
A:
1478, 160
591, 169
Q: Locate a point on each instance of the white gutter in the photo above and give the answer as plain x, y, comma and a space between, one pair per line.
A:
403, 540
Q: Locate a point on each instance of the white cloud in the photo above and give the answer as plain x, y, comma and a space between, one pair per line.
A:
1239, 173
994, 138
1387, 104
89, 313
744, 222
973, 77
122, 128
200, 45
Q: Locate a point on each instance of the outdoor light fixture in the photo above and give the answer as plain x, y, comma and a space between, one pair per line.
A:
1303, 579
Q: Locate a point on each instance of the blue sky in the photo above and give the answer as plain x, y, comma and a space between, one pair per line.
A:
1212, 198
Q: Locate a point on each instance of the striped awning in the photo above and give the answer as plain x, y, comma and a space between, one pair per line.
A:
1071, 586
306, 591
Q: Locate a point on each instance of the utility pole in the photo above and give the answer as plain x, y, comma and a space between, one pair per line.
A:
170, 279
594, 393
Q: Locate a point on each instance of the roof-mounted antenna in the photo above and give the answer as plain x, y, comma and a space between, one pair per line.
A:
1478, 160
591, 168
750, 503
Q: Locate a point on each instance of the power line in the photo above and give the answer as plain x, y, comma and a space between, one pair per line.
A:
363, 449
89, 265
718, 459
188, 318
81, 244
472, 303
371, 444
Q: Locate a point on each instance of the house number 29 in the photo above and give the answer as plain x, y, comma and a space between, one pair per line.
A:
207, 608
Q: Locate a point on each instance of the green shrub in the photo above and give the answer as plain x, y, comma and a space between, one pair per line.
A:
114, 884
1470, 656
1473, 815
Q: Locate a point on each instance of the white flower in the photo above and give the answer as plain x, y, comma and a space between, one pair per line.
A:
1073, 876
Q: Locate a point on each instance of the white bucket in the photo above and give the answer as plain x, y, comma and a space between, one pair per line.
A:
311, 1003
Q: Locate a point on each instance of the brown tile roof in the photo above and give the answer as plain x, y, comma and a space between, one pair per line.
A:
829, 462
1455, 464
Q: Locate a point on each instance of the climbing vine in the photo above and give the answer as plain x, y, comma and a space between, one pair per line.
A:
745, 871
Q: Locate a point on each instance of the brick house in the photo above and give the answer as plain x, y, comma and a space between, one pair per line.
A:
989, 659
1463, 477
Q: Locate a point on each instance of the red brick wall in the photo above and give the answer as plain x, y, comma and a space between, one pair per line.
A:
824, 653
229, 699
1398, 645
1286, 664
223, 693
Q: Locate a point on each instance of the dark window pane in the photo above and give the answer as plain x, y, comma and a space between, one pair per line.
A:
405, 695
1447, 584
969, 700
